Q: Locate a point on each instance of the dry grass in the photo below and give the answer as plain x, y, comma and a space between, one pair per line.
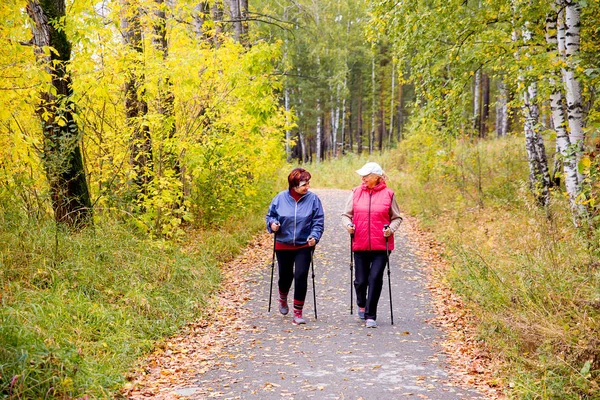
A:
527, 273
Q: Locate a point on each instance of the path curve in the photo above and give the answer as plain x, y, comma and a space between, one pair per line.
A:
249, 353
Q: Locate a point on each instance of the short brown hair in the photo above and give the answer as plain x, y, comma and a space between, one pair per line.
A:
297, 175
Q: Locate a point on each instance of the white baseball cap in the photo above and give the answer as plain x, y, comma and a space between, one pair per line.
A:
370, 168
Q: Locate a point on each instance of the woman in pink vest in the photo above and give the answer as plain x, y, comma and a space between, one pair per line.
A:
370, 208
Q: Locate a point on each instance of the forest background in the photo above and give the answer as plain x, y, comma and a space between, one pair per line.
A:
141, 141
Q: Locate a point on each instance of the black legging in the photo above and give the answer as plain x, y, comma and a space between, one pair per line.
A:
369, 266
286, 260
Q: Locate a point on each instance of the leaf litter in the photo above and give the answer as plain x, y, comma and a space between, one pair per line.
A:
173, 369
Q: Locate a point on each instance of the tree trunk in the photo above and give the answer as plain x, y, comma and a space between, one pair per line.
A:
400, 112
539, 178
244, 15
572, 85
558, 116
217, 15
391, 131
373, 103
136, 107
477, 102
201, 14
502, 112
359, 125
350, 132
288, 132
61, 152
236, 18
318, 132
485, 104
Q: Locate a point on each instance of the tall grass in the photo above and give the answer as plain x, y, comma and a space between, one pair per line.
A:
77, 310
341, 173
526, 272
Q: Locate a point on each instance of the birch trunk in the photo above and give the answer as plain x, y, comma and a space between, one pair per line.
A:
557, 113
288, 132
400, 112
539, 178
318, 134
359, 125
201, 14
336, 123
392, 92
217, 14
502, 120
572, 85
343, 127
236, 18
244, 17
372, 135
61, 152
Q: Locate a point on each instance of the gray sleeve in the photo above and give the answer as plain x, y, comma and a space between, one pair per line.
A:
395, 217
348, 213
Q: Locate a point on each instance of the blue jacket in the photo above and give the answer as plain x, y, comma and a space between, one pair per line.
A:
298, 221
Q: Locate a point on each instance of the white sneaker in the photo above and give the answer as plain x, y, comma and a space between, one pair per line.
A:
298, 320
371, 323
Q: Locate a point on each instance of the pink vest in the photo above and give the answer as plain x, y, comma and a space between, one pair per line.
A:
371, 208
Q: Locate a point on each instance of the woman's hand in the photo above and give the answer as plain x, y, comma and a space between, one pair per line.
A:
275, 226
387, 232
312, 241
350, 229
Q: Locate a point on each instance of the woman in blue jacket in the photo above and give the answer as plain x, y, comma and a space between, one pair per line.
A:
297, 219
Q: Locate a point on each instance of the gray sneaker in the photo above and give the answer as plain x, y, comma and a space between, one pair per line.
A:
371, 323
283, 307
361, 313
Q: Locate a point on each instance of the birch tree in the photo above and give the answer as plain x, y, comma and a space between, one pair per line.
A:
554, 30
539, 177
573, 96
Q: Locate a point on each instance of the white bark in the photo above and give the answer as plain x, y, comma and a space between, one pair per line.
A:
288, 132
563, 142
318, 137
336, 122
539, 177
343, 130
572, 85
391, 131
236, 17
502, 110
373, 106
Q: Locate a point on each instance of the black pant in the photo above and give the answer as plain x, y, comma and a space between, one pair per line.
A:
287, 273
369, 266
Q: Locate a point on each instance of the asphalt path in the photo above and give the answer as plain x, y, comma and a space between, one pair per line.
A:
335, 356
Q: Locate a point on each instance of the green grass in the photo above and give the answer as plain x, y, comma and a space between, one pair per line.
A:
341, 173
78, 310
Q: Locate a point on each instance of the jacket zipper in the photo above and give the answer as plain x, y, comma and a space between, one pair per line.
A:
295, 216
369, 219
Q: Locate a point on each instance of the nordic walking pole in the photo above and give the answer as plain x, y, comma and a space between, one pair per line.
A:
312, 266
351, 272
387, 254
272, 268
